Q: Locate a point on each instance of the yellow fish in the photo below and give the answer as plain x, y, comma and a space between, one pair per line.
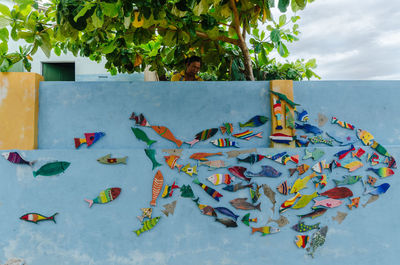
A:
300, 184
288, 203
304, 200
353, 165
365, 137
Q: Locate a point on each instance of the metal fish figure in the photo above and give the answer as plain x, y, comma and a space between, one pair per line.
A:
227, 222
301, 227
330, 203
239, 172
351, 165
342, 154
264, 230
218, 179
289, 203
147, 225
301, 241
172, 162
188, 169
319, 139
320, 166
236, 187
354, 202
251, 159
105, 196
202, 156
139, 120
203, 135
283, 158
266, 171
36, 217
53, 168
381, 189
221, 142
255, 193
338, 193
226, 128
270, 195
339, 217
141, 135
322, 119
347, 180
359, 154
246, 219
283, 188
371, 180
281, 222
382, 172
308, 128
169, 190
158, 182
90, 138
254, 122
235, 153
315, 155
247, 135
210, 191
214, 164
303, 116
371, 200
285, 98
343, 140
146, 213
301, 169
365, 137
317, 240
305, 200
167, 134
186, 191
281, 138
173, 152
289, 119
242, 204
343, 124
300, 184
110, 161
15, 158
321, 181
227, 212
314, 214
277, 107
205, 209
169, 208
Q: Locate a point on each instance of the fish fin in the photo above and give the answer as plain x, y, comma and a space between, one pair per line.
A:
292, 171
137, 232
149, 143
165, 212
191, 143
90, 202
236, 217
253, 230
123, 160
140, 218
35, 174
219, 153
178, 143
52, 218
258, 206
174, 186
196, 180
241, 125
31, 163
156, 164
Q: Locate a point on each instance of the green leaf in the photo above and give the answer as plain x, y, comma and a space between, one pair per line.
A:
283, 4
169, 38
295, 18
201, 8
282, 20
109, 48
4, 10
268, 46
3, 48
275, 35
262, 35
312, 63
4, 22
57, 50
110, 9
4, 34
83, 11
127, 22
301, 3
282, 50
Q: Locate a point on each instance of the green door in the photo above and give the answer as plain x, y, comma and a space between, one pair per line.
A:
59, 71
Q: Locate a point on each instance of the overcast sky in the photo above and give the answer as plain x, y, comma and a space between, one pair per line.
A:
351, 39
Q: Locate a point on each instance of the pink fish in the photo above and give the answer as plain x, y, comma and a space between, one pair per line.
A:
330, 203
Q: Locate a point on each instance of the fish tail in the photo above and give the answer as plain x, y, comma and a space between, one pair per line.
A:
236, 217
150, 142
52, 218
90, 202
219, 153
336, 182
308, 155
137, 232
31, 163
350, 206
253, 230
123, 160
192, 142
259, 135
35, 173
156, 164
292, 171
196, 180
241, 125
258, 206
77, 142
178, 143
255, 220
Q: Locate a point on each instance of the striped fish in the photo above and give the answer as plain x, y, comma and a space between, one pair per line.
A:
221, 142
343, 124
278, 113
283, 188
147, 225
105, 196
203, 135
226, 128
247, 135
158, 182
213, 193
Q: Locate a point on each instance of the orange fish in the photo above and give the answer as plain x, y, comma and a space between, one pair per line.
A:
171, 161
202, 156
354, 202
158, 182
167, 134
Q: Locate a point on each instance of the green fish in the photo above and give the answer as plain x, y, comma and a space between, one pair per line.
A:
254, 122
108, 160
301, 227
304, 200
285, 98
317, 240
141, 135
151, 153
289, 118
186, 191
147, 225
348, 180
53, 168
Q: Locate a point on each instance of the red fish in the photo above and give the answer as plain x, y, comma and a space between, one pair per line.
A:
239, 172
157, 185
167, 134
338, 193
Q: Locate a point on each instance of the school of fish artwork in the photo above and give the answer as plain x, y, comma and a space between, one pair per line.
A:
172, 162
301, 169
277, 107
342, 154
285, 98
338, 193
317, 240
188, 169
322, 119
226, 128
281, 222
340, 216
239, 172
247, 135
289, 203
381, 189
36, 217
169, 190
242, 204
205, 209
281, 138
347, 180
343, 140
90, 138
321, 181
227, 212
315, 155
158, 182
210, 191
218, 179
236, 187
365, 137
146, 213
255, 193
186, 191
147, 225
301, 227
266, 171
246, 219
382, 172
224, 142
203, 156
308, 128
320, 166
302, 116
51, 169
304, 200
289, 119
169, 208
251, 159
283, 158
236, 153
203, 135
350, 164
214, 164
301, 241
343, 124
270, 195
15, 158
319, 139
112, 161
256, 121
314, 214
283, 188
354, 202
265, 230
139, 120
330, 203
142, 136
300, 184
227, 222
105, 196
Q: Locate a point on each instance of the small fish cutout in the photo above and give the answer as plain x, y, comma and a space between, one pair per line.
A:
342, 154
90, 138
301, 169
289, 203
285, 98
322, 120
172, 162
371, 199
365, 137
317, 240
158, 182
300, 184
205, 209
146, 213
239, 172
210, 191
140, 120
247, 135
380, 149
169, 190
265, 230
221, 142
281, 138
342, 124
283, 158
382, 172
281, 222
381, 189
314, 214
218, 179
308, 128
203, 156
236, 187
301, 241
51, 169
142, 136
112, 161
329, 203
186, 191
351, 165
304, 200
301, 140
246, 219
255, 193
36, 217
270, 195
340, 216
354, 202
303, 116
347, 180
266, 171
105, 196
371, 180
301, 227
227, 222
16, 158
203, 135
251, 159
147, 225
167, 134
173, 152
169, 208
319, 139
283, 188
289, 119
227, 212
226, 128
338, 193
320, 166
315, 155
236, 153
242, 204
214, 164
256, 121
359, 154
188, 169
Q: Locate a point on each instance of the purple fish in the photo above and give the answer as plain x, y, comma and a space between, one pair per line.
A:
266, 171
226, 212
15, 158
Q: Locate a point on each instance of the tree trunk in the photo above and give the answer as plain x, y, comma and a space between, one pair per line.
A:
247, 61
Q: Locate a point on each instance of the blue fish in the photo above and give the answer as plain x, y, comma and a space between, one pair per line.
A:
379, 190
309, 128
302, 116
343, 140
266, 171
226, 212
342, 154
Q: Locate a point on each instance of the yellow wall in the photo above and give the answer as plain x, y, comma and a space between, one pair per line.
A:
19, 105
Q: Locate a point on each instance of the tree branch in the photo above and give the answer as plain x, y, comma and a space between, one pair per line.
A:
221, 38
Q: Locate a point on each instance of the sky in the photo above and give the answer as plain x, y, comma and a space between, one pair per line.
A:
351, 39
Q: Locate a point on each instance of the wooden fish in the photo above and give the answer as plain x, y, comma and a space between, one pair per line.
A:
281, 222
264, 230
218, 179
242, 204
221, 142
205, 209
188, 169
380, 149
315, 155
251, 159
320, 166
15, 158
301, 227
304, 200
354, 202
277, 107
302, 116
90, 138
236, 187
158, 182
342, 154
202, 156
285, 98
281, 138
151, 154
283, 188
227, 212
266, 171
330, 203
371, 181
382, 172
283, 158
270, 195
289, 119
379, 190
247, 135
172, 162
36, 217
347, 180
186, 191
289, 203
314, 214
167, 134
236, 153
254, 122
146, 213
351, 165
226, 128
227, 222
214, 164
371, 199
319, 139
169, 208
301, 241
301, 169
246, 219
141, 135
105, 196
112, 161
338, 193
322, 119
139, 119
300, 184
365, 137
317, 240
342, 124
359, 154
174, 152
203, 135
340, 216
147, 225
210, 191
239, 172
255, 193
169, 190
308, 128
53, 168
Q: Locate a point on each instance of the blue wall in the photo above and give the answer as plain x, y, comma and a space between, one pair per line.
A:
103, 234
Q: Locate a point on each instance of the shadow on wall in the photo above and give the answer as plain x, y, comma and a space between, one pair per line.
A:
108, 77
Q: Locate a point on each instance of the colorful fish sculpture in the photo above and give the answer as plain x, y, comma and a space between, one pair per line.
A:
227, 212
283, 158
289, 203
359, 154
105, 196
342, 124
289, 119
330, 203
112, 161
354, 202
236, 153
285, 98
203, 156
140, 120
142, 136
347, 180
317, 240
254, 122
371, 180
300, 184
203, 135
315, 155
169, 208
227, 222
251, 159
226, 128
214, 164
379, 190
281, 221
301, 241
90, 138
186, 191
277, 108
309, 128
15, 158
36, 217
172, 162
158, 182
247, 135
188, 169
51, 169
265, 230
342, 154
320, 166
380, 149
205, 209
169, 190
321, 181
319, 139
218, 179
266, 171
167, 134
350, 164
365, 137
302, 116
382, 172
301, 140
304, 200
147, 225
246, 219
210, 191
301, 227
338, 193
221, 142
314, 214
236, 187
255, 193
301, 169
281, 138
283, 188
239, 172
